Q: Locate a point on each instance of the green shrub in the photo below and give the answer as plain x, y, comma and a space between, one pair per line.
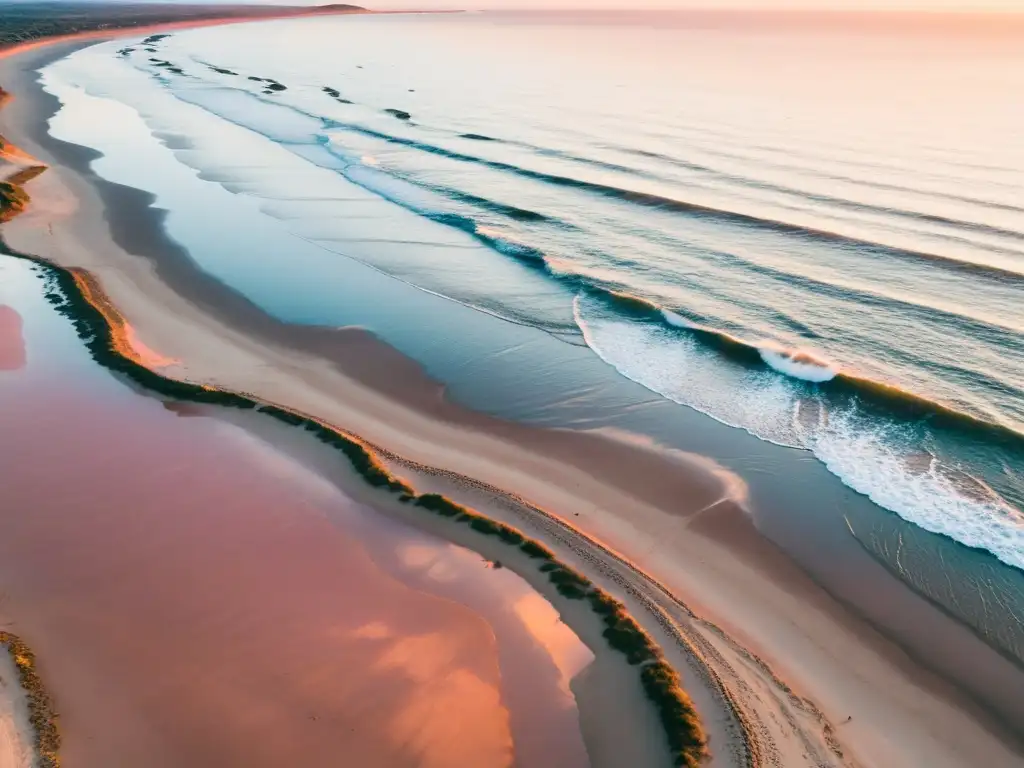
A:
41, 712
484, 526
13, 200
510, 535
536, 550
435, 502
678, 717
604, 604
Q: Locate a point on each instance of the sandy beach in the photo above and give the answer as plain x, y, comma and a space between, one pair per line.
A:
781, 672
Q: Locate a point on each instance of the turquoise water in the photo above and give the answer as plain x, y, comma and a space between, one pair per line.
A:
629, 221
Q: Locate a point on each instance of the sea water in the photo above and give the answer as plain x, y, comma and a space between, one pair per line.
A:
809, 230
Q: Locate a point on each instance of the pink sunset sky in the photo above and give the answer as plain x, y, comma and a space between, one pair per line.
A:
820, 5
880, 5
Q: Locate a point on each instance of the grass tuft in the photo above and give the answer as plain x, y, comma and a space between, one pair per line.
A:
682, 726
13, 200
537, 550
41, 713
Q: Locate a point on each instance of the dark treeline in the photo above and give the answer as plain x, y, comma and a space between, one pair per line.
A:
24, 21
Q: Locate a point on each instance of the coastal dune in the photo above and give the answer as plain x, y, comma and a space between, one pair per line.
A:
781, 673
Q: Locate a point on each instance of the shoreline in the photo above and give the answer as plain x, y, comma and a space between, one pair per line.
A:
572, 485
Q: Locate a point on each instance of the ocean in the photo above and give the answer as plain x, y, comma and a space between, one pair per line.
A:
793, 245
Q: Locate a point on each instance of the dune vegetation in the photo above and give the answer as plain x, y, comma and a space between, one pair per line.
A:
41, 713
13, 197
13, 200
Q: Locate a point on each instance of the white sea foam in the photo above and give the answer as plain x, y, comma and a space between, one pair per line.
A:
798, 363
677, 320
680, 368
871, 456
873, 460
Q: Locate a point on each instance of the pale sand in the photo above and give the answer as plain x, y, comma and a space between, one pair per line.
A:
15, 731
643, 502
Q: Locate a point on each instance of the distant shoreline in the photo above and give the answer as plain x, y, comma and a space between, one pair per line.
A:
111, 20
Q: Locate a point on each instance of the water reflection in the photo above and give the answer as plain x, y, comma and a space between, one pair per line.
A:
12, 342
177, 572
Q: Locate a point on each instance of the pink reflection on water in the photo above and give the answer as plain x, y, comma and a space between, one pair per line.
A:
543, 622
12, 342
196, 608
539, 655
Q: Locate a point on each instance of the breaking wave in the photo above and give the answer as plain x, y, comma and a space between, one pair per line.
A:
871, 436
798, 363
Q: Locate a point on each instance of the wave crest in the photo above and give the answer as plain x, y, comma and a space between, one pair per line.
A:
798, 363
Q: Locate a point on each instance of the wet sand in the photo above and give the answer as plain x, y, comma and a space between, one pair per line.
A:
663, 510
12, 345
198, 598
